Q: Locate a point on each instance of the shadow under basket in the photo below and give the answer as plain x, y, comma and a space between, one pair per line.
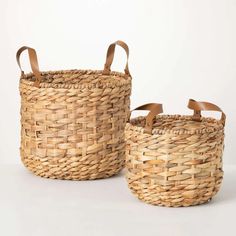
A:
175, 160
73, 121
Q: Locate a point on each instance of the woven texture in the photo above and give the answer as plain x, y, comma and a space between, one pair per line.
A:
178, 164
72, 126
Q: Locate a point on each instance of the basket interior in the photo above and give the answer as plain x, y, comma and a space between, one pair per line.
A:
178, 124
77, 77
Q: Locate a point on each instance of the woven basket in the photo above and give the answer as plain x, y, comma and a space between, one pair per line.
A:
175, 160
73, 121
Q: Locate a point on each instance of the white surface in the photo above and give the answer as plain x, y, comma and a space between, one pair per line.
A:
34, 206
178, 49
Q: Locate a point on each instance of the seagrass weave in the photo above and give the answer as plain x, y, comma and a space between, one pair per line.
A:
175, 160
73, 121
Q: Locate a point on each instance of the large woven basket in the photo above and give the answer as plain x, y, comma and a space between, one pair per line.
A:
73, 121
175, 160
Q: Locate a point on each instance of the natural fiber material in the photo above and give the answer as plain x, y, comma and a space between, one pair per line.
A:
72, 123
179, 163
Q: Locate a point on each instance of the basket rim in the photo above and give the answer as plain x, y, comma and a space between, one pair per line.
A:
132, 127
123, 80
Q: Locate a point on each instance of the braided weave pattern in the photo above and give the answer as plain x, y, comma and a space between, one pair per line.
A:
72, 127
179, 164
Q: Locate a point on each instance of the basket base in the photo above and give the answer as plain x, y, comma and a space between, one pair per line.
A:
175, 205
178, 196
76, 172
102, 176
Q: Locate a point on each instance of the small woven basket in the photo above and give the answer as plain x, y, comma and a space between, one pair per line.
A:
175, 160
73, 121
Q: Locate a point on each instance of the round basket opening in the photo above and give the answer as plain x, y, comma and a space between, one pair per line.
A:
71, 78
178, 124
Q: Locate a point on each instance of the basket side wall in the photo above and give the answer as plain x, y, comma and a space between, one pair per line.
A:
174, 170
73, 133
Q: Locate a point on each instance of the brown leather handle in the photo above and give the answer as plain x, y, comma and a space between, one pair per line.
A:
204, 106
33, 63
155, 109
110, 57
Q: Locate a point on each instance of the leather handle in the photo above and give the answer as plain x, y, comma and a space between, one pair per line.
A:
110, 56
155, 109
33, 63
204, 106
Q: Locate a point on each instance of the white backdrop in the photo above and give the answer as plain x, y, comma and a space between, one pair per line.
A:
179, 49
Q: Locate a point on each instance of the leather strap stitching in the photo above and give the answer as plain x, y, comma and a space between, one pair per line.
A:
204, 106
33, 63
155, 109
110, 57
